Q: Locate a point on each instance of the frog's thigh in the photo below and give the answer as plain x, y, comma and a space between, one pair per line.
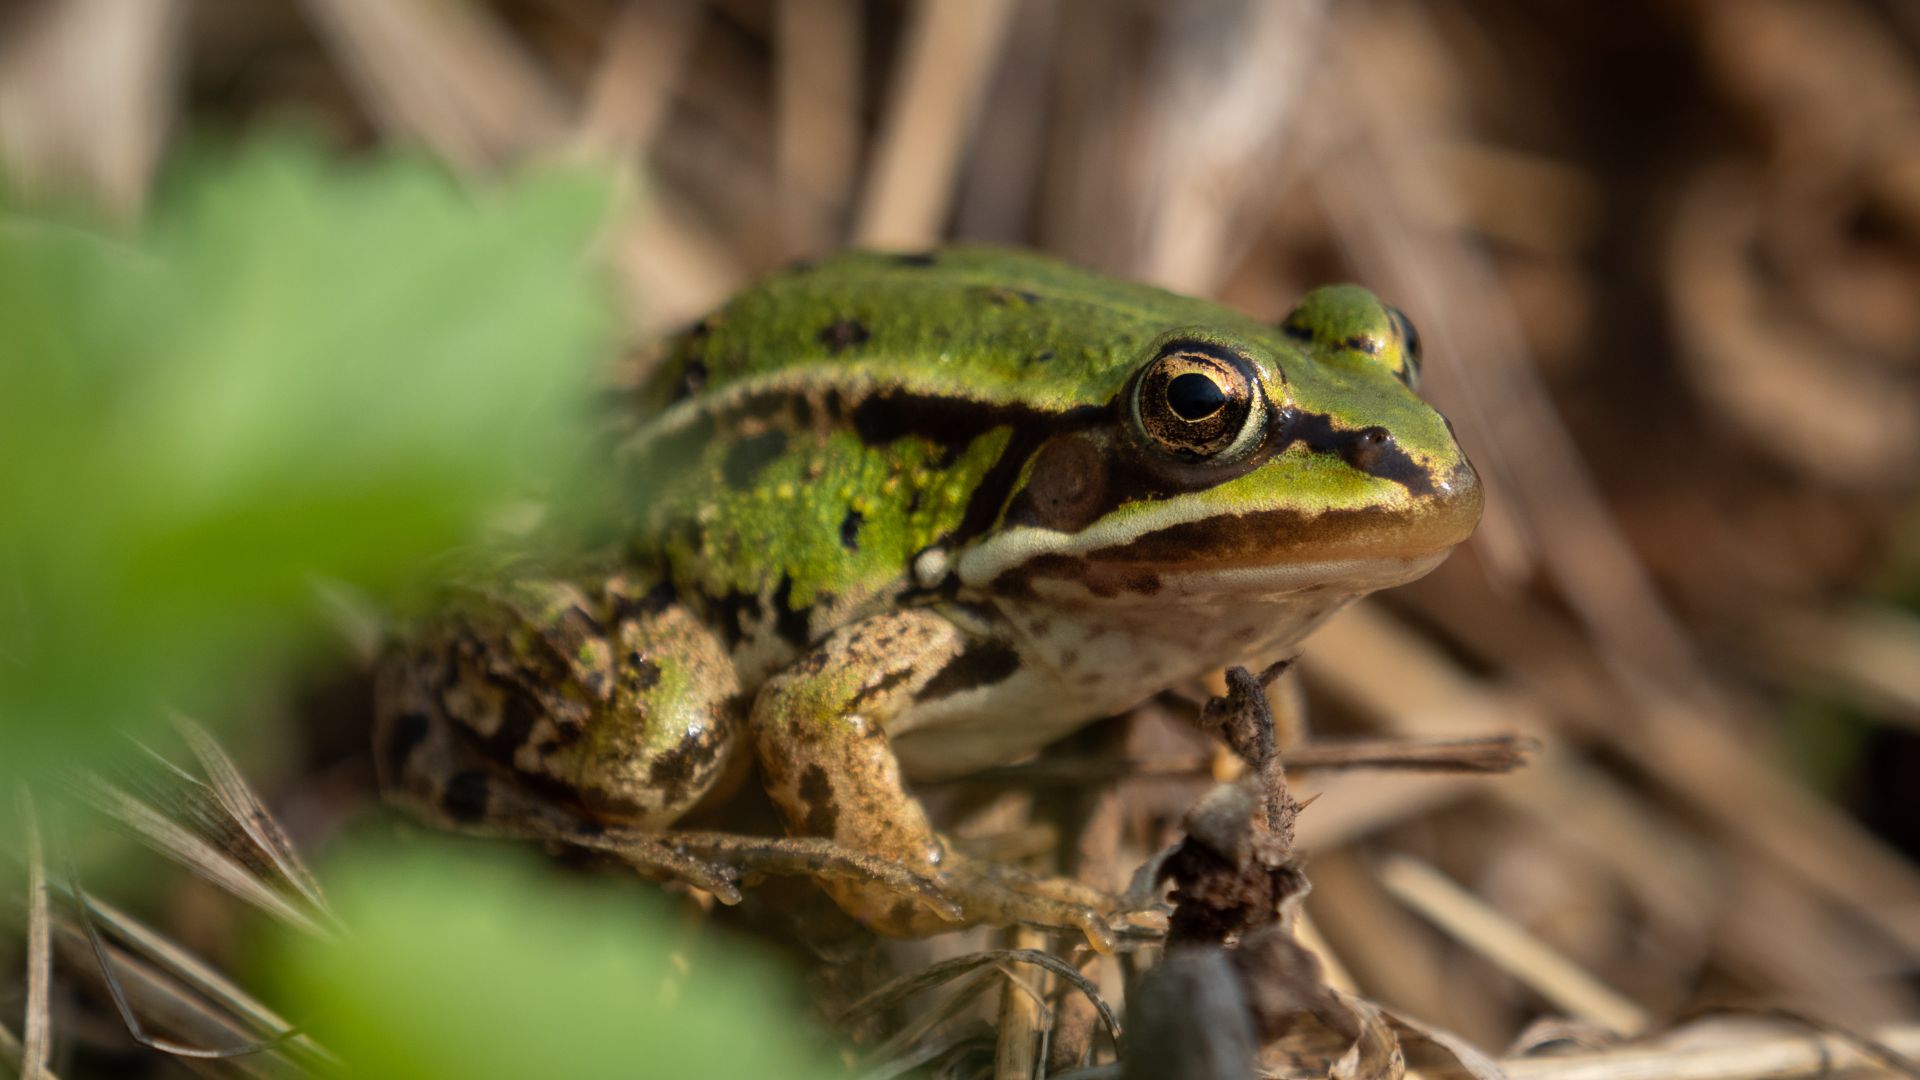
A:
819, 727
544, 701
667, 725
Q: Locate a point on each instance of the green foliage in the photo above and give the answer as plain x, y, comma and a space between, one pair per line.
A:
463, 965
306, 372
299, 371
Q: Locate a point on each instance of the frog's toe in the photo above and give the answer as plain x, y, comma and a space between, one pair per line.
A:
836, 865
994, 893
898, 899
656, 856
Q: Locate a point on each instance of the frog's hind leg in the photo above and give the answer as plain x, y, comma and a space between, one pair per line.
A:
819, 727
544, 711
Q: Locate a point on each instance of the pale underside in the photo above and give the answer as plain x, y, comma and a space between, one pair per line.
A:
1085, 656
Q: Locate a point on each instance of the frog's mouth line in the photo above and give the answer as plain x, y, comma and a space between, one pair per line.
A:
1265, 551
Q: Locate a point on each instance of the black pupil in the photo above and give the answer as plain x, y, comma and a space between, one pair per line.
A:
1193, 396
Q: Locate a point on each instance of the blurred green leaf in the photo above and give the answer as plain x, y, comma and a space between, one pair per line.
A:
301, 370
467, 964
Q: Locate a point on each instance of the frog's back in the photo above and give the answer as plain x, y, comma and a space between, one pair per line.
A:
973, 323
799, 449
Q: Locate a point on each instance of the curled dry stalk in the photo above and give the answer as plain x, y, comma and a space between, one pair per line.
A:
1235, 986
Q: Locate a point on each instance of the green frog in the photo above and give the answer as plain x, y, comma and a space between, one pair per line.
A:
904, 516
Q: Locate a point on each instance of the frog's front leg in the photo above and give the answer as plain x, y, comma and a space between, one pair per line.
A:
820, 726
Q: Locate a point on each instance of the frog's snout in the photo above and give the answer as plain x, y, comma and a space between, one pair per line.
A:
1457, 501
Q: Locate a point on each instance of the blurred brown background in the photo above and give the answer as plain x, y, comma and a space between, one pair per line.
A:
1665, 257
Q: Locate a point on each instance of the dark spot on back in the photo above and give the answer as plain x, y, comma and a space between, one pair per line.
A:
850, 529
983, 662
791, 624
406, 734
842, 334
676, 770
810, 665
1364, 343
881, 686
465, 799
644, 672
1297, 331
693, 379
1040, 357
564, 735
517, 717
652, 602
733, 614
816, 792
747, 457
883, 418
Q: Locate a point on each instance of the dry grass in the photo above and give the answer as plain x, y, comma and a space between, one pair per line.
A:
1665, 257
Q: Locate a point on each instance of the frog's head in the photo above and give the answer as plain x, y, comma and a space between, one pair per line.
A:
1243, 462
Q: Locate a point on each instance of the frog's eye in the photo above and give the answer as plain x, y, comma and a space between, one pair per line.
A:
1347, 321
1195, 399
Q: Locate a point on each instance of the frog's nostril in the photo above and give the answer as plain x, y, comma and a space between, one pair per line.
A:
1366, 448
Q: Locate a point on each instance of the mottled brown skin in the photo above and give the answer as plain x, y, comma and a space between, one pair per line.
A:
601, 706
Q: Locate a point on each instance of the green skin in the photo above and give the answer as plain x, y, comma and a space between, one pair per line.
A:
921, 514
